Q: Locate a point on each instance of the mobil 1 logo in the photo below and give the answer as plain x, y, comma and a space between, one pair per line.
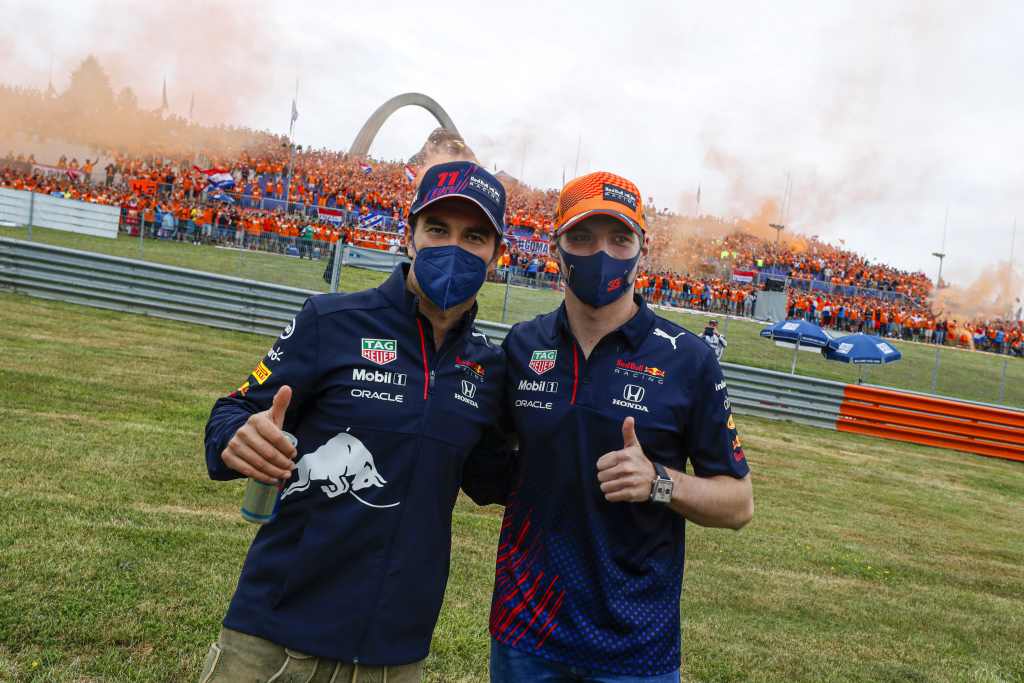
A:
538, 385
379, 376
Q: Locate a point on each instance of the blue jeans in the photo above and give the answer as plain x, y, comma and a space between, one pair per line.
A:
509, 665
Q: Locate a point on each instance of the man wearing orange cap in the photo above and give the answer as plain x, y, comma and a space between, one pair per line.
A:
609, 402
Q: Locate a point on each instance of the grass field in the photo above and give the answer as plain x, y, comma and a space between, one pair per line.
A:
962, 374
867, 560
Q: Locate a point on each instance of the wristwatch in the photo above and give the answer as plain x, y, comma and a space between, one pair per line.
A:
661, 487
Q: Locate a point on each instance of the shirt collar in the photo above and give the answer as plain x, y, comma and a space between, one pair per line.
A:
635, 329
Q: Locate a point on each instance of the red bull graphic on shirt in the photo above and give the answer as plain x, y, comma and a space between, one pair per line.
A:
470, 367
639, 370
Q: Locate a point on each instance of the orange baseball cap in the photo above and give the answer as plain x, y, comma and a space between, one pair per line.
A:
600, 193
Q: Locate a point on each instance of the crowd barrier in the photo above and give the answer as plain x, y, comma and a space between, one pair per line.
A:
21, 207
246, 305
932, 421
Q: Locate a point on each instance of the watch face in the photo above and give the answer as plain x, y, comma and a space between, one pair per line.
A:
662, 491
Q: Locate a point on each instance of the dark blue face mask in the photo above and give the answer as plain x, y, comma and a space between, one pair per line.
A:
449, 275
599, 279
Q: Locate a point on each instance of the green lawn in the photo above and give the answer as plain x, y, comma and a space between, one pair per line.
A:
962, 374
867, 560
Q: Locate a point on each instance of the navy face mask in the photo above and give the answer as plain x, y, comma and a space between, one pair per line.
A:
599, 279
449, 275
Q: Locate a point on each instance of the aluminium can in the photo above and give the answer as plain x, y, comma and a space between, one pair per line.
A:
259, 505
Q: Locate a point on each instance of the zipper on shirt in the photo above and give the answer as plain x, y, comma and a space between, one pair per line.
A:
429, 389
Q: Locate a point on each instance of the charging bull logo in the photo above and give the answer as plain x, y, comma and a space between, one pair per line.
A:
344, 464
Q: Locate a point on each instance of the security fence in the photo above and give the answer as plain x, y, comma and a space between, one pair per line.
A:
223, 243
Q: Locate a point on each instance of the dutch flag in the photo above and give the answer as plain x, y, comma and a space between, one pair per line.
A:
218, 177
366, 168
370, 222
410, 173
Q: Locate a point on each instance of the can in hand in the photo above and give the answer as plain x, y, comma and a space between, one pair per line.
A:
261, 500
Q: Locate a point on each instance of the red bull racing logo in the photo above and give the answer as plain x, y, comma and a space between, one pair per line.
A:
470, 367
737, 449
639, 370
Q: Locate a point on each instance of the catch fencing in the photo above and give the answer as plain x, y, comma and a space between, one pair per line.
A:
24, 208
304, 261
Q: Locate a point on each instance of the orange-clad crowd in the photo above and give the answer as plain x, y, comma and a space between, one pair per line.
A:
703, 262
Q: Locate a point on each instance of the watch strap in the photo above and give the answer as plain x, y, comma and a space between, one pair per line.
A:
660, 469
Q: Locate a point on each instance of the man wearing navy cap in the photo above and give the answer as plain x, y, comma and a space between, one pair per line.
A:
609, 402
395, 398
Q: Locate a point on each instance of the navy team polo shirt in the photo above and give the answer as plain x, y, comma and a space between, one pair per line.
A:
580, 580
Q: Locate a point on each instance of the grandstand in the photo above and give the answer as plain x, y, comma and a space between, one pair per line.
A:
278, 198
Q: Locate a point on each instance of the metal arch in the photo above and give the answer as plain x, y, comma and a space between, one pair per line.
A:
368, 132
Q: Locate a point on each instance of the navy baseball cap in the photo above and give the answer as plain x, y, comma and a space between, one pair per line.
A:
462, 180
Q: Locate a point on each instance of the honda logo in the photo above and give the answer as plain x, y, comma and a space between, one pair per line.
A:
468, 388
633, 393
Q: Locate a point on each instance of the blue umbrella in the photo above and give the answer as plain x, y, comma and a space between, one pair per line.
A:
798, 333
792, 331
862, 349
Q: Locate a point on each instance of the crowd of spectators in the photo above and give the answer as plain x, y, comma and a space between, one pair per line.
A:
329, 196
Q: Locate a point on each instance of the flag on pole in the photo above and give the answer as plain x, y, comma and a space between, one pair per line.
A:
164, 104
410, 173
366, 168
192, 106
217, 177
698, 193
295, 112
50, 90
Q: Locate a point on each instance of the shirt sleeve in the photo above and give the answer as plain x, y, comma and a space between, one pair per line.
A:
489, 469
712, 442
290, 361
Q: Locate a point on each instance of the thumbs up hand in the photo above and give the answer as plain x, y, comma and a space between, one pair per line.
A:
627, 474
259, 449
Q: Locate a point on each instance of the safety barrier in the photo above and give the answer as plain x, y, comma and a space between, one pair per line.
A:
161, 291
233, 303
932, 422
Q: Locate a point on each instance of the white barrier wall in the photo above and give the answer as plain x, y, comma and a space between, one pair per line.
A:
20, 207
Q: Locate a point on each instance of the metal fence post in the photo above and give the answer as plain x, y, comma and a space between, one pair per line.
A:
336, 271
32, 211
796, 350
935, 375
1002, 384
508, 285
241, 243
140, 235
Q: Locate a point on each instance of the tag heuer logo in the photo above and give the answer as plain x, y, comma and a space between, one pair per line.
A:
380, 351
542, 361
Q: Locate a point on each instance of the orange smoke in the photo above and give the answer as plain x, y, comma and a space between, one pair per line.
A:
994, 294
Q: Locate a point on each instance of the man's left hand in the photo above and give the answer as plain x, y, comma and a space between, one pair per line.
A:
626, 475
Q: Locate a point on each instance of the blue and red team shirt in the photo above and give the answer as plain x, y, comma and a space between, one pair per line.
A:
580, 580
